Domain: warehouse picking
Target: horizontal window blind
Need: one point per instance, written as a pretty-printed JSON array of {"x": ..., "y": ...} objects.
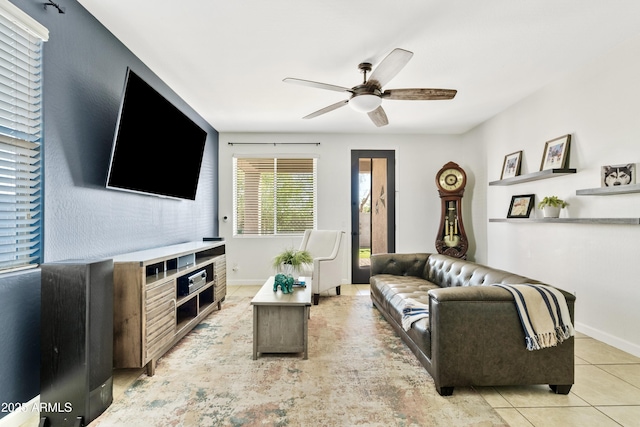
[
  {"x": 274, "y": 196},
  {"x": 20, "y": 142}
]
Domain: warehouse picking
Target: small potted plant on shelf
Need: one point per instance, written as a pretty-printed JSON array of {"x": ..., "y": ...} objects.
[
  {"x": 551, "y": 206},
  {"x": 290, "y": 260}
]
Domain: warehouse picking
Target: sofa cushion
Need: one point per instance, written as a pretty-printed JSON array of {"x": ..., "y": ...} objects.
[{"x": 392, "y": 291}]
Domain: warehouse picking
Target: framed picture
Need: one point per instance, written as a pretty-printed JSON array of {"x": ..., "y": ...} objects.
[
  {"x": 511, "y": 165},
  {"x": 556, "y": 153},
  {"x": 521, "y": 206},
  {"x": 614, "y": 175}
]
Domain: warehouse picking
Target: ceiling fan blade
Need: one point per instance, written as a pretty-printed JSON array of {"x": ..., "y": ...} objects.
[
  {"x": 390, "y": 66},
  {"x": 316, "y": 84},
  {"x": 327, "y": 109},
  {"x": 419, "y": 94},
  {"x": 378, "y": 117}
]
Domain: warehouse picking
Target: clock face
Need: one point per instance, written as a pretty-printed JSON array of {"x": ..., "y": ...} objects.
[{"x": 451, "y": 179}]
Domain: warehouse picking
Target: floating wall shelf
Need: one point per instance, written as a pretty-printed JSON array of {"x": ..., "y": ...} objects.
[
  {"x": 535, "y": 176},
  {"x": 607, "y": 191},
  {"x": 627, "y": 221}
]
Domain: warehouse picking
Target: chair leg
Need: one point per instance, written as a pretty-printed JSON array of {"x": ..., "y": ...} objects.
[
  {"x": 316, "y": 299},
  {"x": 337, "y": 290}
]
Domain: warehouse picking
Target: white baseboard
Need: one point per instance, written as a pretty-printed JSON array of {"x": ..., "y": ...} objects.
[
  {"x": 609, "y": 339},
  {"x": 27, "y": 411}
]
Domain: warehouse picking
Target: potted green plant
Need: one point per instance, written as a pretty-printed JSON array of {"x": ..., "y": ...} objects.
[
  {"x": 551, "y": 206},
  {"x": 291, "y": 260}
]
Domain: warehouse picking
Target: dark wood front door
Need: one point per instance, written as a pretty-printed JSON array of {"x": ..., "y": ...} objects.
[{"x": 372, "y": 208}]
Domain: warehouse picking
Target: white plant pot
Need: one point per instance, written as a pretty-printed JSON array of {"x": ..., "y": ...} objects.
[
  {"x": 289, "y": 270},
  {"x": 551, "y": 211}
]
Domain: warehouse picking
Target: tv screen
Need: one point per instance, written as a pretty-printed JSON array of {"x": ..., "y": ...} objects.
[{"x": 157, "y": 149}]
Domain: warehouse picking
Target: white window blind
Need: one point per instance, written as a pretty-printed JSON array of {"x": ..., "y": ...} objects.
[
  {"x": 20, "y": 138},
  {"x": 274, "y": 195}
]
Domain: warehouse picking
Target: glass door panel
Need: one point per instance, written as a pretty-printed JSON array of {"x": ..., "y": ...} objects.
[{"x": 373, "y": 208}]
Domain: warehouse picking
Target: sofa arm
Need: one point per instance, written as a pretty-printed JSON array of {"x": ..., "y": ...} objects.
[
  {"x": 484, "y": 293},
  {"x": 400, "y": 264},
  {"x": 488, "y": 303},
  {"x": 477, "y": 338},
  {"x": 470, "y": 293}
]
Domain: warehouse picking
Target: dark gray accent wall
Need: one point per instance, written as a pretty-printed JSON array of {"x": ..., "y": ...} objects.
[
  {"x": 84, "y": 73},
  {"x": 19, "y": 337}
]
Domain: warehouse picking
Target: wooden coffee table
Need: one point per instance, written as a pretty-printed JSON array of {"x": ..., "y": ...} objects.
[{"x": 280, "y": 321}]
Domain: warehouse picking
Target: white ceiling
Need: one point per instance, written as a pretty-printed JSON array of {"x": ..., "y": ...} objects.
[{"x": 227, "y": 58}]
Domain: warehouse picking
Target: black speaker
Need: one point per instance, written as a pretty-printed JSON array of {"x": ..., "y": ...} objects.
[{"x": 76, "y": 340}]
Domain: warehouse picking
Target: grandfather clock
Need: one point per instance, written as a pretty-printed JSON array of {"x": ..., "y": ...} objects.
[{"x": 451, "y": 239}]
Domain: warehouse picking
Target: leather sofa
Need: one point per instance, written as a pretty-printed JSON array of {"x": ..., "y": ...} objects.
[{"x": 473, "y": 335}]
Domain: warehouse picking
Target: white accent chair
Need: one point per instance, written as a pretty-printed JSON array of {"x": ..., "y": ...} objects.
[{"x": 324, "y": 246}]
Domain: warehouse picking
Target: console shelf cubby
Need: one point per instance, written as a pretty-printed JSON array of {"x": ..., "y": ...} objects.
[
  {"x": 534, "y": 176},
  {"x": 150, "y": 316}
]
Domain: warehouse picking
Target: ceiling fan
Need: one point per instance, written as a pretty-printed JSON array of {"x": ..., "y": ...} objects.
[{"x": 367, "y": 97}]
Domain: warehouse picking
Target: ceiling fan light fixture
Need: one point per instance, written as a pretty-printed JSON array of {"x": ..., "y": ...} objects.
[
  {"x": 367, "y": 96},
  {"x": 365, "y": 103}
]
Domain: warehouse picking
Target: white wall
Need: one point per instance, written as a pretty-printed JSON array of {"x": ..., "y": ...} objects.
[
  {"x": 418, "y": 158},
  {"x": 599, "y": 106}
]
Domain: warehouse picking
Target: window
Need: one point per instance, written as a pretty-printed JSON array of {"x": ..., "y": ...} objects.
[
  {"x": 274, "y": 196},
  {"x": 21, "y": 41}
]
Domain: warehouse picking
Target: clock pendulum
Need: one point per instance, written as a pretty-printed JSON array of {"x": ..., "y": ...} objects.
[{"x": 451, "y": 239}]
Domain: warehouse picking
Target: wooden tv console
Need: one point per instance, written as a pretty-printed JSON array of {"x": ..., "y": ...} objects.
[{"x": 150, "y": 316}]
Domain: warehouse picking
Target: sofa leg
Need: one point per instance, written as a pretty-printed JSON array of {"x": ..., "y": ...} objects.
[
  {"x": 444, "y": 391},
  {"x": 337, "y": 290},
  {"x": 316, "y": 299},
  {"x": 560, "y": 389}
]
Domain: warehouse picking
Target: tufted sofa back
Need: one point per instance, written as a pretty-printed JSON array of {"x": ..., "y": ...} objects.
[
  {"x": 447, "y": 272},
  {"x": 444, "y": 271},
  {"x": 401, "y": 265}
]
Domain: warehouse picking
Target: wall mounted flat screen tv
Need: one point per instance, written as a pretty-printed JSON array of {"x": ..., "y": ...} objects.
[{"x": 157, "y": 149}]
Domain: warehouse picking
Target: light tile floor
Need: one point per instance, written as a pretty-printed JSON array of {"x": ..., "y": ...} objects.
[{"x": 606, "y": 390}]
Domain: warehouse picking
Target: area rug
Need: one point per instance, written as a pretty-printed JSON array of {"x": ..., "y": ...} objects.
[{"x": 359, "y": 373}]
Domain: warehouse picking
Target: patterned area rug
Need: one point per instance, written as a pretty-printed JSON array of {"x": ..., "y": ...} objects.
[{"x": 359, "y": 373}]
